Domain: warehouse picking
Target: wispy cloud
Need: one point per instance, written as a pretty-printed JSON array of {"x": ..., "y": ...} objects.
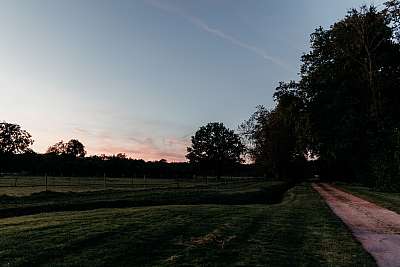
[{"x": 201, "y": 24}]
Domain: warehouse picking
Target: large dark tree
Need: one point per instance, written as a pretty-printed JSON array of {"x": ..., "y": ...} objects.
[
  {"x": 13, "y": 139},
  {"x": 215, "y": 146},
  {"x": 276, "y": 139},
  {"x": 345, "y": 108},
  {"x": 57, "y": 149},
  {"x": 73, "y": 148},
  {"x": 350, "y": 82}
]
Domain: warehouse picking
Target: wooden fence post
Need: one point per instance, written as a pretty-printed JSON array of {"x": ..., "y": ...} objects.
[{"x": 45, "y": 178}]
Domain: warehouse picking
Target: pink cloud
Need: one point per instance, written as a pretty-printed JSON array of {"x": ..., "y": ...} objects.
[
  {"x": 147, "y": 146},
  {"x": 171, "y": 148}
]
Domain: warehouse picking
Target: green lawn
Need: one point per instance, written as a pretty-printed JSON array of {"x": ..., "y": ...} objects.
[
  {"x": 231, "y": 193},
  {"x": 300, "y": 231},
  {"x": 27, "y": 185},
  {"x": 388, "y": 200}
]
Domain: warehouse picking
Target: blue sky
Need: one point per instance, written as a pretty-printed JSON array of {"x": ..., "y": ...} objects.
[{"x": 140, "y": 76}]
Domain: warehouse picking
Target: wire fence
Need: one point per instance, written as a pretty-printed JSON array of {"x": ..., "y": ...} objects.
[
  {"x": 22, "y": 185},
  {"x": 51, "y": 181}
]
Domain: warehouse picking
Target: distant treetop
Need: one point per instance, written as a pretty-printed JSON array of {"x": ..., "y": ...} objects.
[{"x": 13, "y": 139}]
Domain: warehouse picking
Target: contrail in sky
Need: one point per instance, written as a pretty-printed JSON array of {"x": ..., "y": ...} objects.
[{"x": 217, "y": 32}]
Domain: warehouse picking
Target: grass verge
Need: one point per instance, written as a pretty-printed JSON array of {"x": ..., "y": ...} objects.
[{"x": 387, "y": 200}]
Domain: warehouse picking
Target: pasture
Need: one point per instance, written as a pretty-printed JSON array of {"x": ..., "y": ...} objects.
[
  {"x": 26, "y": 185},
  {"x": 234, "y": 224}
]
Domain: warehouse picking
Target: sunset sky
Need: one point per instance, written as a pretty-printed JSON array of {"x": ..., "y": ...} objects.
[{"x": 140, "y": 76}]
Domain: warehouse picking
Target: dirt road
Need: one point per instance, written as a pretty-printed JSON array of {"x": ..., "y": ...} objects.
[{"x": 377, "y": 228}]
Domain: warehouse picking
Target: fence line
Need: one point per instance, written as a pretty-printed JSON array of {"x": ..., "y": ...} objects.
[{"x": 114, "y": 182}]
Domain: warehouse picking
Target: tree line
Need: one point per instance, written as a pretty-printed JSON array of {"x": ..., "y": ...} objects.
[
  {"x": 215, "y": 151},
  {"x": 344, "y": 110}
]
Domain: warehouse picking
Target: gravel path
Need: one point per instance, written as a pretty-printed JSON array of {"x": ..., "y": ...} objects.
[{"x": 377, "y": 228}]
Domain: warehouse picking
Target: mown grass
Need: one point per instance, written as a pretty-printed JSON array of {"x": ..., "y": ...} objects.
[
  {"x": 234, "y": 193},
  {"x": 387, "y": 200},
  {"x": 300, "y": 231},
  {"x": 27, "y": 185}
]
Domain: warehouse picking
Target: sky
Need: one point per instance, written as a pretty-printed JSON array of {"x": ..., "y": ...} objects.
[{"x": 141, "y": 76}]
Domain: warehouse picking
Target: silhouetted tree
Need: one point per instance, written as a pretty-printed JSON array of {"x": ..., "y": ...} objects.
[
  {"x": 73, "y": 148},
  {"x": 215, "y": 146},
  {"x": 350, "y": 82},
  {"x": 345, "y": 108},
  {"x": 121, "y": 156},
  {"x": 57, "y": 149},
  {"x": 392, "y": 10},
  {"x": 277, "y": 139},
  {"x": 13, "y": 139}
]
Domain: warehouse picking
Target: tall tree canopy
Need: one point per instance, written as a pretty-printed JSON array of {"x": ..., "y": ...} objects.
[
  {"x": 350, "y": 82},
  {"x": 274, "y": 137},
  {"x": 215, "y": 145},
  {"x": 13, "y": 139},
  {"x": 345, "y": 107}
]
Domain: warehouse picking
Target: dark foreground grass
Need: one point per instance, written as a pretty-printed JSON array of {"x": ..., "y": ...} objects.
[
  {"x": 387, "y": 200},
  {"x": 300, "y": 231},
  {"x": 235, "y": 193}
]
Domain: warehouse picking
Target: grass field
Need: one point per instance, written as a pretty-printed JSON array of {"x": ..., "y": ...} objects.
[
  {"x": 26, "y": 185},
  {"x": 232, "y": 193},
  {"x": 22, "y": 186},
  {"x": 299, "y": 231},
  {"x": 388, "y": 200}
]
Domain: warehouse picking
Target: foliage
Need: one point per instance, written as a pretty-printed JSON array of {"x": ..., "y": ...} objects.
[
  {"x": 112, "y": 166},
  {"x": 344, "y": 109},
  {"x": 68, "y": 159},
  {"x": 350, "y": 84},
  {"x": 57, "y": 149},
  {"x": 392, "y": 10},
  {"x": 275, "y": 137},
  {"x": 216, "y": 146},
  {"x": 13, "y": 139},
  {"x": 73, "y": 148}
]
